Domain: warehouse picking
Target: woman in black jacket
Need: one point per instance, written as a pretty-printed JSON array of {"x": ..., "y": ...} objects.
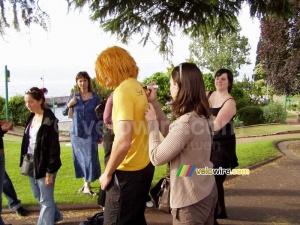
[{"x": 41, "y": 141}]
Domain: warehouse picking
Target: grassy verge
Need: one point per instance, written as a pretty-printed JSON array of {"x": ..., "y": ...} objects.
[
  {"x": 264, "y": 129},
  {"x": 67, "y": 186}
]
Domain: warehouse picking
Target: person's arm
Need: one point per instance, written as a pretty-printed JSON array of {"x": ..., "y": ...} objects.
[
  {"x": 225, "y": 114},
  {"x": 119, "y": 151},
  {"x": 54, "y": 162},
  {"x": 71, "y": 101},
  {"x": 163, "y": 121},
  {"x": 161, "y": 152},
  {"x": 5, "y": 126},
  {"x": 107, "y": 114}
]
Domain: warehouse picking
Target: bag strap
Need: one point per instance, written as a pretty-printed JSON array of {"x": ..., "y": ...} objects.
[{"x": 168, "y": 170}]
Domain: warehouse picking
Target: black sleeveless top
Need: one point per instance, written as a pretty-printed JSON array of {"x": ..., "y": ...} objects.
[
  {"x": 224, "y": 143},
  {"x": 228, "y": 129}
]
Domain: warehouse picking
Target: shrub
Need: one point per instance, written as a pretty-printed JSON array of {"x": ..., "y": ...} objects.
[
  {"x": 273, "y": 113},
  {"x": 242, "y": 102},
  {"x": 251, "y": 115},
  {"x": 18, "y": 111}
]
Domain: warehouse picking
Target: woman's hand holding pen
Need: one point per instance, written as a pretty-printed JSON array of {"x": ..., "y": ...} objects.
[{"x": 151, "y": 91}]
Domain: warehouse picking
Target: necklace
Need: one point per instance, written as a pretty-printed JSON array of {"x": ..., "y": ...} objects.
[
  {"x": 85, "y": 96},
  {"x": 36, "y": 120}
]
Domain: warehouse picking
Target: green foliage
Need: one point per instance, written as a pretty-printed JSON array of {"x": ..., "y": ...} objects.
[
  {"x": 259, "y": 72},
  {"x": 29, "y": 11},
  {"x": 18, "y": 111},
  {"x": 151, "y": 19},
  {"x": 294, "y": 107},
  {"x": 250, "y": 115},
  {"x": 2, "y": 108},
  {"x": 230, "y": 52},
  {"x": 273, "y": 113},
  {"x": 163, "y": 92},
  {"x": 102, "y": 92},
  {"x": 242, "y": 102},
  {"x": 209, "y": 82},
  {"x": 237, "y": 122}
]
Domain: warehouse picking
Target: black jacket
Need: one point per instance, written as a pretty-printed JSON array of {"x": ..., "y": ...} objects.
[{"x": 47, "y": 148}]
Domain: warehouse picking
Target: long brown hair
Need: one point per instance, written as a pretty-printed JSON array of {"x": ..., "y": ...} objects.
[
  {"x": 191, "y": 95},
  {"x": 38, "y": 94},
  {"x": 85, "y": 75}
]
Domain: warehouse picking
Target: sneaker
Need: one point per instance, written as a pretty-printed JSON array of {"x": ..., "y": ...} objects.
[
  {"x": 21, "y": 211},
  {"x": 60, "y": 219},
  {"x": 149, "y": 204}
]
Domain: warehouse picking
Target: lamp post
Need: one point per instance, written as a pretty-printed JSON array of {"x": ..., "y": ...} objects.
[
  {"x": 54, "y": 105},
  {"x": 6, "y": 79}
]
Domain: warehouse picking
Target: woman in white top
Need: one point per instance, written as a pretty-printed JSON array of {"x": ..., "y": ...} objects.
[{"x": 41, "y": 141}]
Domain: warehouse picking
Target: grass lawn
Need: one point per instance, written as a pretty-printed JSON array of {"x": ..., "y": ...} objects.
[
  {"x": 263, "y": 129},
  {"x": 67, "y": 186}
]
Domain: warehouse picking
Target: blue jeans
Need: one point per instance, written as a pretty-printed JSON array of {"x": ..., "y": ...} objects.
[
  {"x": 45, "y": 195},
  {"x": 2, "y": 171},
  {"x": 9, "y": 191}
]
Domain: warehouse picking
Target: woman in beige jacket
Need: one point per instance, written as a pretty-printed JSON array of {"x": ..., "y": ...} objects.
[{"x": 187, "y": 146}]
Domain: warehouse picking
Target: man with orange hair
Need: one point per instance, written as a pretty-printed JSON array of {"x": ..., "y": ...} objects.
[{"x": 129, "y": 172}]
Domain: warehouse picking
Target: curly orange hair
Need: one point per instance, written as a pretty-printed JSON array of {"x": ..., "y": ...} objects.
[{"x": 116, "y": 64}]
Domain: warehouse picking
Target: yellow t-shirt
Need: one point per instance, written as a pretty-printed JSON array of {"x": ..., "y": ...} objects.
[{"x": 129, "y": 103}]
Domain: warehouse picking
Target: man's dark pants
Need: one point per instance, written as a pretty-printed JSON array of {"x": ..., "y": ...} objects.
[{"x": 126, "y": 197}]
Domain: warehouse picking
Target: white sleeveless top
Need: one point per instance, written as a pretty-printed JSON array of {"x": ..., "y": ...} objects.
[{"x": 32, "y": 137}]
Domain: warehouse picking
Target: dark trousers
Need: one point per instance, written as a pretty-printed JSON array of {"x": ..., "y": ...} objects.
[
  {"x": 108, "y": 139},
  {"x": 126, "y": 197},
  {"x": 220, "y": 207}
]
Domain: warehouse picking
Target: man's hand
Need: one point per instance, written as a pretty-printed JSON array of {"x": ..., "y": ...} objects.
[
  {"x": 104, "y": 181},
  {"x": 5, "y": 125}
]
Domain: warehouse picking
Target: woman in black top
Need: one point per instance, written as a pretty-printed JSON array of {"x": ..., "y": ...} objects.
[
  {"x": 223, "y": 153},
  {"x": 41, "y": 141}
]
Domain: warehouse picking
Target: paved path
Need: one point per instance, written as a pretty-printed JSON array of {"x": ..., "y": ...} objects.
[{"x": 270, "y": 195}]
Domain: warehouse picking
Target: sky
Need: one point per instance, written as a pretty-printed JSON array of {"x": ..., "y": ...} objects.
[{"x": 52, "y": 59}]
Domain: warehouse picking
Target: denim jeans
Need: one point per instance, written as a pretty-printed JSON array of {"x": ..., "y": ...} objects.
[
  {"x": 2, "y": 171},
  {"x": 9, "y": 191},
  {"x": 45, "y": 195}
]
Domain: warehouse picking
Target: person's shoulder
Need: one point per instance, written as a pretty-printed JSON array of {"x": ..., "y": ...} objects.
[
  {"x": 130, "y": 87},
  {"x": 95, "y": 94},
  {"x": 186, "y": 117}
]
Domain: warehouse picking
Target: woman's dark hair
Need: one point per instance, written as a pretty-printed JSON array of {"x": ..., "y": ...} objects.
[
  {"x": 83, "y": 74},
  {"x": 191, "y": 95},
  {"x": 38, "y": 94},
  {"x": 229, "y": 77}
]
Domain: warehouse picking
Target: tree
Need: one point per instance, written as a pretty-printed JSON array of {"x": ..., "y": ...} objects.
[
  {"x": 147, "y": 17},
  {"x": 29, "y": 11},
  {"x": 163, "y": 93},
  {"x": 212, "y": 53},
  {"x": 279, "y": 51},
  {"x": 18, "y": 111}
]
